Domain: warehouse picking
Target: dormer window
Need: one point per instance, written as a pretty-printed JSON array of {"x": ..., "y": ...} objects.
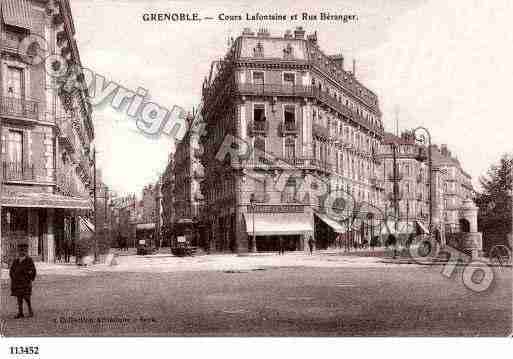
[
  {"x": 288, "y": 52},
  {"x": 258, "y": 51}
]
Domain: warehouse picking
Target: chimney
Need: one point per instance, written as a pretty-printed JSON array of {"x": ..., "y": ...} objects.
[
  {"x": 299, "y": 33},
  {"x": 354, "y": 67},
  {"x": 443, "y": 150},
  {"x": 338, "y": 60},
  {"x": 263, "y": 32},
  {"x": 312, "y": 38},
  {"x": 247, "y": 32}
]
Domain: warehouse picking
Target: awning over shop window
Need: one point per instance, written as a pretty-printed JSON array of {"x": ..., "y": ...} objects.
[
  {"x": 45, "y": 200},
  {"x": 17, "y": 13},
  {"x": 145, "y": 226},
  {"x": 337, "y": 227},
  {"x": 268, "y": 224}
]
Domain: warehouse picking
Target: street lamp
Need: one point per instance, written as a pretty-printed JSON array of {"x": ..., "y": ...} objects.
[
  {"x": 422, "y": 139},
  {"x": 253, "y": 207}
]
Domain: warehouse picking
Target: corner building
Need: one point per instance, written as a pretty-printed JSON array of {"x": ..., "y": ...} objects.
[
  {"x": 46, "y": 135},
  {"x": 286, "y": 98}
]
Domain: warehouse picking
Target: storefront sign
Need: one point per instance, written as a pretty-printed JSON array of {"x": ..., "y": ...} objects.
[{"x": 276, "y": 209}]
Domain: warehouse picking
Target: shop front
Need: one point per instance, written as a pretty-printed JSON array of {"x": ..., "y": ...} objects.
[
  {"x": 292, "y": 229},
  {"x": 47, "y": 223}
]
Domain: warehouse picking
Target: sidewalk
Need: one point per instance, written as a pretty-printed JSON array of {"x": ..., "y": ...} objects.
[{"x": 163, "y": 262}]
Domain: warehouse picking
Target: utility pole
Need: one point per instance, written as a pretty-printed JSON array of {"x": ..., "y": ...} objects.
[
  {"x": 395, "y": 185},
  {"x": 157, "y": 212},
  {"x": 94, "y": 208},
  {"x": 1, "y": 176},
  {"x": 105, "y": 221}
]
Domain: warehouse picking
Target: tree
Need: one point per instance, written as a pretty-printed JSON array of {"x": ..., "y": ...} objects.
[{"x": 495, "y": 200}]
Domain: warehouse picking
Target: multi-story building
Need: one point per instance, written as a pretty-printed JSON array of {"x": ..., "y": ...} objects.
[
  {"x": 305, "y": 118},
  {"x": 410, "y": 203},
  {"x": 168, "y": 214},
  {"x": 45, "y": 130},
  {"x": 410, "y": 200},
  {"x": 455, "y": 188},
  {"x": 187, "y": 198}
]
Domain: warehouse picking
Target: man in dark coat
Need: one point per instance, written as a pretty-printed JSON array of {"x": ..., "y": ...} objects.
[
  {"x": 22, "y": 273},
  {"x": 311, "y": 243}
]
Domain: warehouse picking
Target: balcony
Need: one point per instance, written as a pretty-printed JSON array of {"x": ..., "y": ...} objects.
[
  {"x": 321, "y": 165},
  {"x": 288, "y": 128},
  {"x": 398, "y": 177},
  {"x": 290, "y": 197},
  {"x": 259, "y": 197},
  {"x": 9, "y": 42},
  {"x": 20, "y": 172},
  {"x": 66, "y": 134},
  {"x": 306, "y": 91},
  {"x": 320, "y": 131},
  {"x": 21, "y": 108},
  {"x": 258, "y": 128},
  {"x": 273, "y": 89}
]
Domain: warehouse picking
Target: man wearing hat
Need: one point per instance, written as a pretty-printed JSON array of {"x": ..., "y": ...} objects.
[{"x": 22, "y": 273}]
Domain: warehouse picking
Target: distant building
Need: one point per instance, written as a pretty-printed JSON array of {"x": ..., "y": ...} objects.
[
  {"x": 182, "y": 199},
  {"x": 45, "y": 135},
  {"x": 168, "y": 211},
  {"x": 456, "y": 187}
]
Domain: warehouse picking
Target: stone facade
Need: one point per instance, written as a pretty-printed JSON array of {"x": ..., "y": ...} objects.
[
  {"x": 183, "y": 199},
  {"x": 284, "y": 97},
  {"x": 45, "y": 135}
]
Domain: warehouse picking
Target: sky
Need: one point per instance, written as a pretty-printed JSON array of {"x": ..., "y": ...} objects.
[{"x": 442, "y": 65}]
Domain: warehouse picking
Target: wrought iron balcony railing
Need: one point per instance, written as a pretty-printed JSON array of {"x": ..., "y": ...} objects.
[
  {"x": 288, "y": 128},
  {"x": 306, "y": 91},
  {"x": 258, "y": 128},
  {"x": 19, "y": 107},
  {"x": 259, "y": 197},
  {"x": 16, "y": 171}
]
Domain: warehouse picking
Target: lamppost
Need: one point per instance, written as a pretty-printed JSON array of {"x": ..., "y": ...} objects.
[
  {"x": 94, "y": 208},
  {"x": 253, "y": 208},
  {"x": 422, "y": 139}
]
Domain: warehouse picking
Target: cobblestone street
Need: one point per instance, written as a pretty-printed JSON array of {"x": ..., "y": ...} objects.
[{"x": 293, "y": 295}]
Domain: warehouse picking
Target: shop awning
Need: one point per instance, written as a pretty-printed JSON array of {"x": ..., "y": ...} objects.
[
  {"x": 337, "y": 227},
  {"x": 17, "y": 13},
  {"x": 45, "y": 200},
  {"x": 268, "y": 224},
  {"x": 145, "y": 226}
]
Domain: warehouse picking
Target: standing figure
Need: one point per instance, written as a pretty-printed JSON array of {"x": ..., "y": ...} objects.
[
  {"x": 280, "y": 245},
  {"x": 311, "y": 243},
  {"x": 22, "y": 273}
]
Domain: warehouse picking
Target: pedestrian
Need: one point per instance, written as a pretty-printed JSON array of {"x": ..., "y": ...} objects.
[
  {"x": 280, "y": 245},
  {"x": 311, "y": 243},
  {"x": 22, "y": 274},
  {"x": 67, "y": 250}
]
